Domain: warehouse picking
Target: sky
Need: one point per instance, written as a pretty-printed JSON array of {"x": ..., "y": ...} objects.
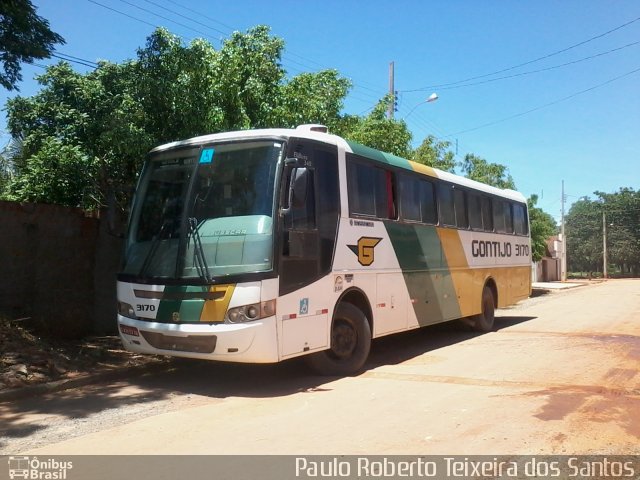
[{"x": 548, "y": 88}]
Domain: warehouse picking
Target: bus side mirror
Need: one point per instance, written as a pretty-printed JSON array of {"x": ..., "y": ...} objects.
[{"x": 297, "y": 193}]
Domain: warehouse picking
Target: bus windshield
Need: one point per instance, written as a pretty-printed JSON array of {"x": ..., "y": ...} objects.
[{"x": 204, "y": 212}]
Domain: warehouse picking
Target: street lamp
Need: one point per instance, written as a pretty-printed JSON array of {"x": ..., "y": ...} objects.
[{"x": 432, "y": 98}]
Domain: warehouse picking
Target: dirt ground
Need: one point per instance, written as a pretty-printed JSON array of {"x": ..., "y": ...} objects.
[
  {"x": 29, "y": 359},
  {"x": 558, "y": 375}
]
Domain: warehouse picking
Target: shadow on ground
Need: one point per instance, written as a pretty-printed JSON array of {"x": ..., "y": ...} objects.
[{"x": 219, "y": 380}]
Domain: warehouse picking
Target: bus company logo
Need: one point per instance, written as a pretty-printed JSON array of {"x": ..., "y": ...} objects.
[
  {"x": 32, "y": 468},
  {"x": 365, "y": 250}
]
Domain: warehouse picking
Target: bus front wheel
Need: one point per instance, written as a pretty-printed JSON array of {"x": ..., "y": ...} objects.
[
  {"x": 350, "y": 343},
  {"x": 483, "y": 322}
]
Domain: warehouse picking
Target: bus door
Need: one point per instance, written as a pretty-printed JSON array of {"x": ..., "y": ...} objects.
[{"x": 309, "y": 221}]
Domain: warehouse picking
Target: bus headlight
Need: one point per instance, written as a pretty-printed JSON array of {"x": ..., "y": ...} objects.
[
  {"x": 126, "y": 310},
  {"x": 248, "y": 313}
]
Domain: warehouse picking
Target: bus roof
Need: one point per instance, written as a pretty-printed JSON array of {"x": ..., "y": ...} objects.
[{"x": 305, "y": 131}]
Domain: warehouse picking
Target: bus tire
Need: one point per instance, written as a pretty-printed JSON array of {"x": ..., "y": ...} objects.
[
  {"x": 483, "y": 322},
  {"x": 350, "y": 343}
]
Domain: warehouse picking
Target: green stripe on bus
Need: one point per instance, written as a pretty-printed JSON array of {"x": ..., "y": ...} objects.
[
  {"x": 382, "y": 157},
  {"x": 187, "y": 310},
  {"x": 426, "y": 274}
]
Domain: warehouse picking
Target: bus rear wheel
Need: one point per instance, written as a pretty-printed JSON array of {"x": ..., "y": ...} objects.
[
  {"x": 483, "y": 322},
  {"x": 350, "y": 343}
]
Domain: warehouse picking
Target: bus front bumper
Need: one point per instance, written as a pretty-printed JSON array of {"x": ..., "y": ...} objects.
[{"x": 251, "y": 342}]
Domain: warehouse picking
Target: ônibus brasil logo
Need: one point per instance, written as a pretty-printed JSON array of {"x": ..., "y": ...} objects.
[{"x": 33, "y": 468}]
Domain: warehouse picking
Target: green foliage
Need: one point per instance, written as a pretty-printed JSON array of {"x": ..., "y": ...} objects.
[
  {"x": 108, "y": 119},
  {"x": 542, "y": 227},
  {"x": 584, "y": 228},
  {"x": 248, "y": 75},
  {"x": 377, "y": 131},
  {"x": 24, "y": 37},
  {"x": 56, "y": 171},
  {"x": 8, "y": 155},
  {"x": 98, "y": 126},
  {"x": 435, "y": 153},
  {"x": 91, "y": 115},
  {"x": 311, "y": 98},
  {"x": 479, "y": 169}
]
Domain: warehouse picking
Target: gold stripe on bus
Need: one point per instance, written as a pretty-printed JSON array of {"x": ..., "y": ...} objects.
[
  {"x": 215, "y": 310},
  {"x": 423, "y": 169},
  {"x": 461, "y": 274}
]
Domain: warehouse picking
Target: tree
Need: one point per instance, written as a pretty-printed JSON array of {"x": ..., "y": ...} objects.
[
  {"x": 311, "y": 98},
  {"x": 435, "y": 153},
  {"x": 623, "y": 249},
  {"x": 248, "y": 76},
  {"x": 622, "y": 210},
  {"x": 24, "y": 37},
  {"x": 90, "y": 119},
  {"x": 11, "y": 152},
  {"x": 542, "y": 227},
  {"x": 56, "y": 171},
  {"x": 106, "y": 120},
  {"x": 377, "y": 131},
  {"x": 479, "y": 169},
  {"x": 583, "y": 227}
]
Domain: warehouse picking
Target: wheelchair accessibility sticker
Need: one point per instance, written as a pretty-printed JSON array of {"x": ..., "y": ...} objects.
[{"x": 304, "y": 306}]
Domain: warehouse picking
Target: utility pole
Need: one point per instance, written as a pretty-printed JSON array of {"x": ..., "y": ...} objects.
[
  {"x": 604, "y": 244},
  {"x": 391, "y": 107},
  {"x": 563, "y": 256}
]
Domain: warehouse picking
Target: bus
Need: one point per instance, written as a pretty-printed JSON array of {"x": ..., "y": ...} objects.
[{"x": 259, "y": 246}]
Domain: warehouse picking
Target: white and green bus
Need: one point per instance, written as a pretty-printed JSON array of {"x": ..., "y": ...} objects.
[{"x": 264, "y": 245}]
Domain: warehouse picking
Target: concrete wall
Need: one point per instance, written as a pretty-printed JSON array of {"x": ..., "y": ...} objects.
[{"x": 57, "y": 267}]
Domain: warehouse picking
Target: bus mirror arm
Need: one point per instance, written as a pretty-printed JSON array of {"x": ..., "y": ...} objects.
[{"x": 286, "y": 210}]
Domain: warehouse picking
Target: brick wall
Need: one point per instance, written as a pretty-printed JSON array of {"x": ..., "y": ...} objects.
[{"x": 57, "y": 266}]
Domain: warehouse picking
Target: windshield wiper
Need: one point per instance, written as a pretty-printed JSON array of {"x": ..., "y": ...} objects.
[
  {"x": 199, "y": 259},
  {"x": 154, "y": 247}
]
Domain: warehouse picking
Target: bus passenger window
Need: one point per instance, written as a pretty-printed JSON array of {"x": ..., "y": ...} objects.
[
  {"x": 371, "y": 191},
  {"x": 417, "y": 201},
  {"x": 428, "y": 202},
  {"x": 499, "y": 217},
  {"x": 409, "y": 198},
  {"x": 521, "y": 225},
  {"x": 475, "y": 211},
  {"x": 461, "y": 209},
  {"x": 487, "y": 218},
  {"x": 446, "y": 202},
  {"x": 508, "y": 217}
]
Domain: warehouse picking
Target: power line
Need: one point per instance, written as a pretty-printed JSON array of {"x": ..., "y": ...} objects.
[
  {"x": 530, "y": 72},
  {"x": 70, "y": 58},
  {"x": 185, "y": 17},
  {"x": 545, "y": 105},
  {"x": 170, "y": 20},
  {"x": 544, "y": 57},
  {"x": 200, "y": 14},
  {"x": 289, "y": 60},
  {"x": 122, "y": 13},
  {"x": 39, "y": 65},
  {"x": 77, "y": 58}
]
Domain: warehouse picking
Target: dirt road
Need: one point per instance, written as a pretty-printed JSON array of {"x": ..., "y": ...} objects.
[{"x": 559, "y": 375}]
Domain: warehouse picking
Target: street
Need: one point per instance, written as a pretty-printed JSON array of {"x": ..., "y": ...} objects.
[{"x": 559, "y": 375}]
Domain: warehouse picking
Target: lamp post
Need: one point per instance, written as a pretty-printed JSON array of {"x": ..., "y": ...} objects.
[{"x": 432, "y": 98}]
